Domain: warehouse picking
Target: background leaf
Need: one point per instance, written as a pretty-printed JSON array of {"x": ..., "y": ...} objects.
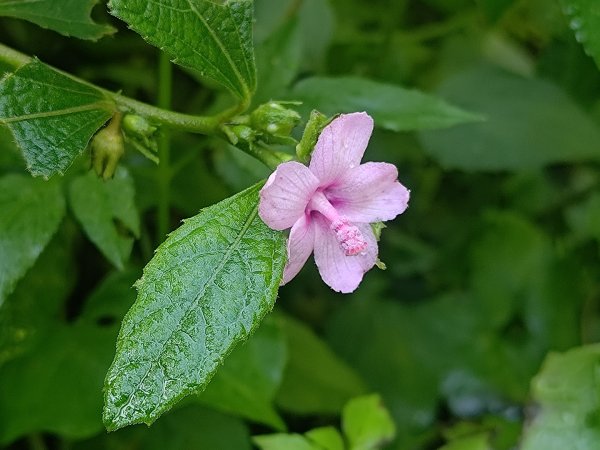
[
  {"x": 568, "y": 392},
  {"x": 392, "y": 107},
  {"x": 366, "y": 423},
  {"x": 56, "y": 386},
  {"x": 304, "y": 391},
  {"x": 212, "y": 38},
  {"x": 517, "y": 110},
  {"x": 585, "y": 23},
  {"x": 68, "y": 17},
  {"x": 246, "y": 383},
  {"x": 208, "y": 286},
  {"x": 51, "y": 116},
  {"x": 31, "y": 212},
  {"x": 107, "y": 212}
]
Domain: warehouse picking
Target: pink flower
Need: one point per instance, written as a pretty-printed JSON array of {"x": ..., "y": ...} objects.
[{"x": 331, "y": 204}]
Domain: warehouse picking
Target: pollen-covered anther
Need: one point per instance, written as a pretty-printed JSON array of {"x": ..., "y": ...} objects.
[{"x": 349, "y": 236}]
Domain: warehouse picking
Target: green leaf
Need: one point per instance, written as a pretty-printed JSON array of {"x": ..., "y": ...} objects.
[
  {"x": 517, "y": 109},
  {"x": 208, "y": 286},
  {"x": 107, "y": 212},
  {"x": 366, "y": 423},
  {"x": 67, "y": 17},
  {"x": 278, "y": 61},
  {"x": 212, "y": 38},
  {"x": 585, "y": 22},
  {"x": 23, "y": 316},
  {"x": 246, "y": 383},
  {"x": 327, "y": 438},
  {"x": 305, "y": 390},
  {"x": 568, "y": 392},
  {"x": 31, "y": 212},
  {"x": 392, "y": 107},
  {"x": 57, "y": 385},
  {"x": 284, "y": 442},
  {"x": 51, "y": 116}
]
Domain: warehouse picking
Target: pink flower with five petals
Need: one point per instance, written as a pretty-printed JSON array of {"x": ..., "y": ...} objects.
[{"x": 330, "y": 204}]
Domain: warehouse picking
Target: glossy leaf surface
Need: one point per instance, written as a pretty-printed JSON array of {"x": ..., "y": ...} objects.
[
  {"x": 51, "y": 116},
  {"x": 585, "y": 22},
  {"x": 212, "y": 38},
  {"x": 208, "y": 287}
]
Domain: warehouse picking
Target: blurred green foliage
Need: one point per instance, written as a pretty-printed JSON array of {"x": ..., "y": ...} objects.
[{"x": 494, "y": 265}]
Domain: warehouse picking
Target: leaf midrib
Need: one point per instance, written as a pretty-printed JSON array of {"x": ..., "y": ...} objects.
[
  {"x": 192, "y": 305},
  {"x": 101, "y": 106}
]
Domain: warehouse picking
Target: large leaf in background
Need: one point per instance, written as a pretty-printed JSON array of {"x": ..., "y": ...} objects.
[
  {"x": 246, "y": 383},
  {"x": 568, "y": 392},
  {"x": 107, "y": 212},
  {"x": 52, "y": 117},
  {"x": 278, "y": 61},
  {"x": 307, "y": 391},
  {"x": 530, "y": 123},
  {"x": 31, "y": 211},
  {"x": 585, "y": 22},
  {"x": 56, "y": 385},
  {"x": 212, "y": 38},
  {"x": 68, "y": 17},
  {"x": 208, "y": 287},
  {"x": 392, "y": 107}
]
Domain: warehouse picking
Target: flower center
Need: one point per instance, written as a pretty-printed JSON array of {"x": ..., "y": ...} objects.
[{"x": 349, "y": 236}]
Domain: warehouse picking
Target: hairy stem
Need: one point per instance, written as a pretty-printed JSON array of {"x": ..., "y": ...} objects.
[{"x": 165, "y": 79}]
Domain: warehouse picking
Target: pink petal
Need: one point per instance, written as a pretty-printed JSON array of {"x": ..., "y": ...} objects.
[
  {"x": 300, "y": 245},
  {"x": 285, "y": 195},
  {"x": 342, "y": 273},
  {"x": 341, "y": 146},
  {"x": 369, "y": 193}
]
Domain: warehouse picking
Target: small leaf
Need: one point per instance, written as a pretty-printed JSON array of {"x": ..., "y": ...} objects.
[
  {"x": 517, "y": 110},
  {"x": 107, "y": 212},
  {"x": 208, "y": 287},
  {"x": 304, "y": 391},
  {"x": 393, "y": 107},
  {"x": 568, "y": 392},
  {"x": 246, "y": 383},
  {"x": 585, "y": 22},
  {"x": 213, "y": 38},
  {"x": 31, "y": 211},
  {"x": 51, "y": 116},
  {"x": 284, "y": 442},
  {"x": 327, "y": 438},
  {"x": 67, "y": 17},
  {"x": 366, "y": 423}
]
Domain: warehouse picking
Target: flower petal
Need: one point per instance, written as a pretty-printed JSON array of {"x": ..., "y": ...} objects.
[
  {"x": 369, "y": 193},
  {"x": 341, "y": 146},
  {"x": 285, "y": 195},
  {"x": 342, "y": 273},
  {"x": 300, "y": 245}
]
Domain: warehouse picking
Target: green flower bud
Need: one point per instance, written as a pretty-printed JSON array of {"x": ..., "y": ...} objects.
[
  {"x": 107, "y": 148},
  {"x": 314, "y": 126},
  {"x": 138, "y": 125},
  {"x": 273, "y": 119}
]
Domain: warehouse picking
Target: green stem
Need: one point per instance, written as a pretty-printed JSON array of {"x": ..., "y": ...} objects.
[
  {"x": 165, "y": 80},
  {"x": 208, "y": 125}
]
